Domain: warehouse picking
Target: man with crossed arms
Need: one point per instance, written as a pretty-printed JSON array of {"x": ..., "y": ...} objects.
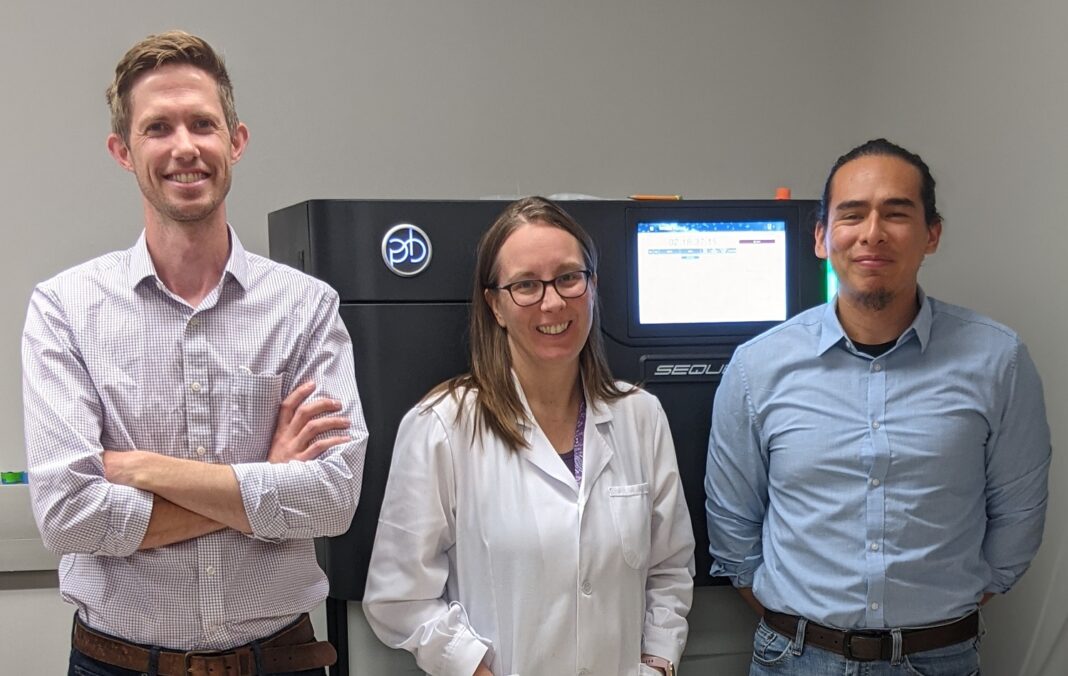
[{"x": 177, "y": 459}]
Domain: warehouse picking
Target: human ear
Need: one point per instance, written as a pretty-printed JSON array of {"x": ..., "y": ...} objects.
[
  {"x": 820, "y": 245},
  {"x": 490, "y": 296},
  {"x": 118, "y": 149}
]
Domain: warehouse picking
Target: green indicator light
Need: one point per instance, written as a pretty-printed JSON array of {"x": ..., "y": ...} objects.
[
  {"x": 13, "y": 477},
  {"x": 830, "y": 280}
]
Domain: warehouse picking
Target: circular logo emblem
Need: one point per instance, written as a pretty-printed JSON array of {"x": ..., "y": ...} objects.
[{"x": 406, "y": 250}]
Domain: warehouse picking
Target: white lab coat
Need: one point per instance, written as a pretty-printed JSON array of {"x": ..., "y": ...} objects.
[{"x": 484, "y": 550}]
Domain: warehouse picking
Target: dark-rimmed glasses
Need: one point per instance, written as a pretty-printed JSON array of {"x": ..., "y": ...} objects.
[{"x": 527, "y": 292}]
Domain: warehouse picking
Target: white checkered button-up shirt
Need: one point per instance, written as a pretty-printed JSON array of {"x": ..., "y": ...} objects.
[{"x": 113, "y": 360}]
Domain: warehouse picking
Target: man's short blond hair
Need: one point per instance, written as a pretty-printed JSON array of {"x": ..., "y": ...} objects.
[{"x": 155, "y": 51}]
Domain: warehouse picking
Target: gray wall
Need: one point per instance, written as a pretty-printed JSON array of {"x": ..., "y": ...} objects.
[{"x": 708, "y": 98}]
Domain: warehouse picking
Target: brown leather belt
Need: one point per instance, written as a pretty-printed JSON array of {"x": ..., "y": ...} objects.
[
  {"x": 869, "y": 645},
  {"x": 291, "y": 649}
]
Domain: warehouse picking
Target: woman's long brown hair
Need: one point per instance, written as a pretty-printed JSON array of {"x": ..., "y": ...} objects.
[{"x": 490, "y": 381}]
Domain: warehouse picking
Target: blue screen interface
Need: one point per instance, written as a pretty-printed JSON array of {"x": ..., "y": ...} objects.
[{"x": 711, "y": 272}]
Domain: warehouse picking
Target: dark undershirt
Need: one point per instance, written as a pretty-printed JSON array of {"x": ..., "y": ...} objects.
[
  {"x": 569, "y": 460},
  {"x": 874, "y": 350}
]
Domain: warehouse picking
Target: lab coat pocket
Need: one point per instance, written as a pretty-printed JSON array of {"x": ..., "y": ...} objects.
[
  {"x": 252, "y": 412},
  {"x": 631, "y": 514}
]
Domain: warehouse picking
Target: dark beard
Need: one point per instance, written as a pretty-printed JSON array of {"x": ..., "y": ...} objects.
[{"x": 875, "y": 300}]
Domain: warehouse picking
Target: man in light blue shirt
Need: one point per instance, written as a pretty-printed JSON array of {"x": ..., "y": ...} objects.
[{"x": 877, "y": 466}]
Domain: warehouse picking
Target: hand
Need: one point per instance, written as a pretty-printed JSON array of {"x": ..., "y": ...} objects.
[
  {"x": 751, "y": 599},
  {"x": 299, "y": 424}
]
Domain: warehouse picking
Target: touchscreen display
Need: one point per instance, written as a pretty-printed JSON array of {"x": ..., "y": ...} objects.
[{"x": 711, "y": 272}]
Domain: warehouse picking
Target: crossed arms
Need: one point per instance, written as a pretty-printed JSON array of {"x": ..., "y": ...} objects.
[
  {"x": 301, "y": 482},
  {"x": 193, "y": 498}
]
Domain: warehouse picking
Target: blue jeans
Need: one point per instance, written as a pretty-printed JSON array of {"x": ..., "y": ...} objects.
[{"x": 775, "y": 655}]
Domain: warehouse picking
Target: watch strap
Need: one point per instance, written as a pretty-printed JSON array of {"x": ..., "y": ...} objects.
[{"x": 659, "y": 663}]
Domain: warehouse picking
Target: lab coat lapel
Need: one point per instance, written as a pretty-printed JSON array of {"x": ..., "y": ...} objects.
[
  {"x": 542, "y": 455},
  {"x": 597, "y": 451},
  {"x": 539, "y": 452}
]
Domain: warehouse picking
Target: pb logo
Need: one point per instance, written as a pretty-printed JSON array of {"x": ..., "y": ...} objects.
[{"x": 406, "y": 250}]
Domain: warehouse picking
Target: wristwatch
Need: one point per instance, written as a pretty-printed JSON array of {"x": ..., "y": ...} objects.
[{"x": 659, "y": 663}]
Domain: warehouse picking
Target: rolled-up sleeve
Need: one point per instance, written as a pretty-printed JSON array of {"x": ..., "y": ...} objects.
[
  {"x": 1017, "y": 474},
  {"x": 315, "y": 498},
  {"x": 405, "y": 600},
  {"x": 76, "y": 509},
  {"x": 736, "y": 481}
]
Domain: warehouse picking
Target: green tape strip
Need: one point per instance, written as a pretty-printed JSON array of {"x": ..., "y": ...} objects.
[{"x": 13, "y": 477}]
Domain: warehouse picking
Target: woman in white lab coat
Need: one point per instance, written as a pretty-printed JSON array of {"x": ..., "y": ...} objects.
[{"x": 534, "y": 522}]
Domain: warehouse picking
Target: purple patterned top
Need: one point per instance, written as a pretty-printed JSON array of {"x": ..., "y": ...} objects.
[{"x": 573, "y": 458}]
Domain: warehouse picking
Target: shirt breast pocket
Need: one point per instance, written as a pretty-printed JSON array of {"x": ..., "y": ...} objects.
[
  {"x": 631, "y": 514},
  {"x": 252, "y": 410}
]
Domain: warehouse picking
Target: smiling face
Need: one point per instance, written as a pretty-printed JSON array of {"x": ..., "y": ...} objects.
[
  {"x": 180, "y": 149},
  {"x": 876, "y": 236},
  {"x": 552, "y": 333}
]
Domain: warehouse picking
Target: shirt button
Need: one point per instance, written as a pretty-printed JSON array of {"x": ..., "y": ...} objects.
[
  {"x": 210, "y": 570},
  {"x": 195, "y": 387},
  {"x": 195, "y": 321},
  {"x": 875, "y": 482},
  {"x": 875, "y": 424},
  {"x": 877, "y": 368},
  {"x": 583, "y": 672},
  {"x": 587, "y": 588},
  {"x": 875, "y": 606},
  {"x": 875, "y": 546},
  {"x": 201, "y": 450}
]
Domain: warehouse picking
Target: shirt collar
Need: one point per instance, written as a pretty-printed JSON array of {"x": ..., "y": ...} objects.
[
  {"x": 141, "y": 266},
  {"x": 831, "y": 331},
  {"x": 921, "y": 326},
  {"x": 237, "y": 265}
]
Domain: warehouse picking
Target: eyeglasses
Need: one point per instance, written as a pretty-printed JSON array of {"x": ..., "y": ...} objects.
[{"x": 527, "y": 292}]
